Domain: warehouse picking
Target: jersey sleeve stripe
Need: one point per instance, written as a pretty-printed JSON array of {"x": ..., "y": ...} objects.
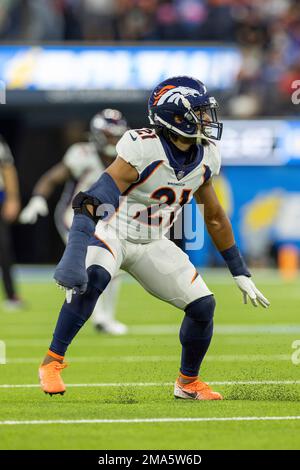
[
  {"x": 96, "y": 241},
  {"x": 146, "y": 173},
  {"x": 194, "y": 277}
]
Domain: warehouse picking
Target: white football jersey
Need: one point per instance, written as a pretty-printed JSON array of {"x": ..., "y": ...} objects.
[
  {"x": 151, "y": 205},
  {"x": 85, "y": 166}
]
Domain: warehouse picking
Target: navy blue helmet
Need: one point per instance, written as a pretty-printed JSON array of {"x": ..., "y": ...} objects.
[{"x": 183, "y": 105}]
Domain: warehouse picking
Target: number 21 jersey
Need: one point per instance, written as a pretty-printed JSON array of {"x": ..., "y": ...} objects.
[{"x": 151, "y": 205}]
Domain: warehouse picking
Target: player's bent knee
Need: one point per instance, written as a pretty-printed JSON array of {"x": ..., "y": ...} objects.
[
  {"x": 83, "y": 305},
  {"x": 99, "y": 277},
  {"x": 202, "y": 310}
]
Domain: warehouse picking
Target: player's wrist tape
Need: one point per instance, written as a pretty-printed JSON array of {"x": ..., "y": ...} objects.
[
  {"x": 102, "y": 198},
  {"x": 235, "y": 261},
  {"x": 83, "y": 204}
]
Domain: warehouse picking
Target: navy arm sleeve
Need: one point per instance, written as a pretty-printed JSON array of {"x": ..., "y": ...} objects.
[{"x": 103, "y": 195}]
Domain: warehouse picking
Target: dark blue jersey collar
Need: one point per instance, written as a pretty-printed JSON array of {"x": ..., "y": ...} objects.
[{"x": 182, "y": 163}]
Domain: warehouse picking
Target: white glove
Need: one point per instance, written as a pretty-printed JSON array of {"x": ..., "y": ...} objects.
[
  {"x": 248, "y": 288},
  {"x": 36, "y": 206}
]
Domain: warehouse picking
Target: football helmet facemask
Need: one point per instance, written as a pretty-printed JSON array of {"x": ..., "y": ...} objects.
[{"x": 183, "y": 106}]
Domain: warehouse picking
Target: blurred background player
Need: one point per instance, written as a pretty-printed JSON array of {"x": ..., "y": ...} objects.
[
  {"x": 9, "y": 210},
  {"x": 81, "y": 166}
]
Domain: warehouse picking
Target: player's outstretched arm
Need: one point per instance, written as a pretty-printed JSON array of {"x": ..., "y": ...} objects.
[
  {"x": 37, "y": 206},
  {"x": 11, "y": 205},
  {"x": 89, "y": 207},
  {"x": 220, "y": 230}
]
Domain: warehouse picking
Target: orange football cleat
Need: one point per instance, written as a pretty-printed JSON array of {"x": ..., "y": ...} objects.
[
  {"x": 195, "y": 390},
  {"x": 50, "y": 379}
]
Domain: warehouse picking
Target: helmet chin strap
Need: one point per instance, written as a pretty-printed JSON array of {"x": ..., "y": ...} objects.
[
  {"x": 208, "y": 131},
  {"x": 192, "y": 114},
  {"x": 200, "y": 138},
  {"x": 176, "y": 131}
]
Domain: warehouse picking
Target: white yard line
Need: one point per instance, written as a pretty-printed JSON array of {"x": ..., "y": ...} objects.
[
  {"x": 230, "y": 329},
  {"x": 40, "y": 274},
  {"x": 137, "y": 359},
  {"x": 151, "y": 420},
  {"x": 37, "y": 270},
  {"x": 161, "y": 384},
  {"x": 167, "y": 329}
]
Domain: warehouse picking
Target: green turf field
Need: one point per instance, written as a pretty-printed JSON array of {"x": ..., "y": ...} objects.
[{"x": 114, "y": 381}]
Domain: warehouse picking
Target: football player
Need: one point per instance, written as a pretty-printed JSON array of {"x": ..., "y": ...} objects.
[
  {"x": 128, "y": 211},
  {"x": 83, "y": 163},
  {"x": 9, "y": 210}
]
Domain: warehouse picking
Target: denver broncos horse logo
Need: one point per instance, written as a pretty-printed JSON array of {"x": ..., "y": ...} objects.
[{"x": 173, "y": 94}]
